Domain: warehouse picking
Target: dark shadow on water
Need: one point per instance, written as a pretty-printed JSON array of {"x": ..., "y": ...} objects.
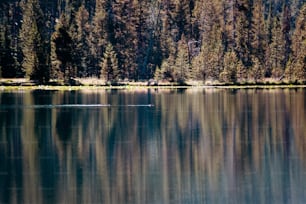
[{"x": 64, "y": 122}]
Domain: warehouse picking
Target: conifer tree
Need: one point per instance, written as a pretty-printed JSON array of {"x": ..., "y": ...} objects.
[
  {"x": 124, "y": 38},
  {"x": 275, "y": 54},
  {"x": 229, "y": 23},
  {"x": 242, "y": 44},
  {"x": 80, "y": 30},
  {"x": 158, "y": 74},
  {"x": 153, "y": 54},
  {"x": 169, "y": 31},
  {"x": 258, "y": 35},
  {"x": 61, "y": 52},
  {"x": 182, "y": 63},
  {"x": 197, "y": 68},
  {"x": 286, "y": 27},
  {"x": 147, "y": 17},
  {"x": 34, "y": 56},
  {"x": 256, "y": 72},
  {"x": 167, "y": 70},
  {"x": 9, "y": 42},
  {"x": 169, "y": 36},
  {"x": 109, "y": 65},
  {"x": 229, "y": 73},
  {"x": 100, "y": 34},
  {"x": 296, "y": 68},
  {"x": 183, "y": 16},
  {"x": 209, "y": 60},
  {"x": 7, "y": 60}
]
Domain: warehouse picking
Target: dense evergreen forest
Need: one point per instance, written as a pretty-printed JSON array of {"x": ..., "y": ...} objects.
[{"x": 173, "y": 40}]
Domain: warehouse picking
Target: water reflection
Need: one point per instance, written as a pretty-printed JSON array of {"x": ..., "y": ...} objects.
[{"x": 192, "y": 146}]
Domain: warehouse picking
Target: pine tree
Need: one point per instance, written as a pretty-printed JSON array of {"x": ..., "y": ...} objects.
[
  {"x": 210, "y": 58},
  {"x": 229, "y": 24},
  {"x": 169, "y": 32},
  {"x": 258, "y": 36},
  {"x": 9, "y": 43},
  {"x": 158, "y": 74},
  {"x": 242, "y": 27},
  {"x": 275, "y": 54},
  {"x": 109, "y": 65},
  {"x": 101, "y": 33},
  {"x": 7, "y": 60},
  {"x": 34, "y": 55},
  {"x": 167, "y": 70},
  {"x": 80, "y": 30},
  {"x": 286, "y": 27},
  {"x": 296, "y": 68},
  {"x": 182, "y": 63},
  {"x": 147, "y": 20},
  {"x": 209, "y": 61},
  {"x": 183, "y": 16},
  {"x": 197, "y": 69},
  {"x": 137, "y": 48},
  {"x": 124, "y": 38},
  {"x": 61, "y": 52},
  {"x": 257, "y": 71},
  {"x": 229, "y": 73},
  {"x": 153, "y": 53}
]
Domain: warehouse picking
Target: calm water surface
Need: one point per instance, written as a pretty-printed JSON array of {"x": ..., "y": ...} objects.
[{"x": 153, "y": 146}]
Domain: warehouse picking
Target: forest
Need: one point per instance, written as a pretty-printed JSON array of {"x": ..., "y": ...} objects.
[{"x": 230, "y": 41}]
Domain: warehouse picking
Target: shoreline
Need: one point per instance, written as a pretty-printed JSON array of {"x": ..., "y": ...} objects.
[{"x": 25, "y": 84}]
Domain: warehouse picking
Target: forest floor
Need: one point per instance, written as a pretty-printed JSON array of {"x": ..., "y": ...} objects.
[{"x": 94, "y": 83}]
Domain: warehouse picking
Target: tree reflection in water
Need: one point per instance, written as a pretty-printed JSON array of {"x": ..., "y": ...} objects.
[{"x": 192, "y": 146}]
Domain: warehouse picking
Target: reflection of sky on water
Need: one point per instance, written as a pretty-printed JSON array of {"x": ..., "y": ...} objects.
[{"x": 192, "y": 146}]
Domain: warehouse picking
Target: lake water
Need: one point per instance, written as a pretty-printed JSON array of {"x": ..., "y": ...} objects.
[{"x": 153, "y": 146}]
